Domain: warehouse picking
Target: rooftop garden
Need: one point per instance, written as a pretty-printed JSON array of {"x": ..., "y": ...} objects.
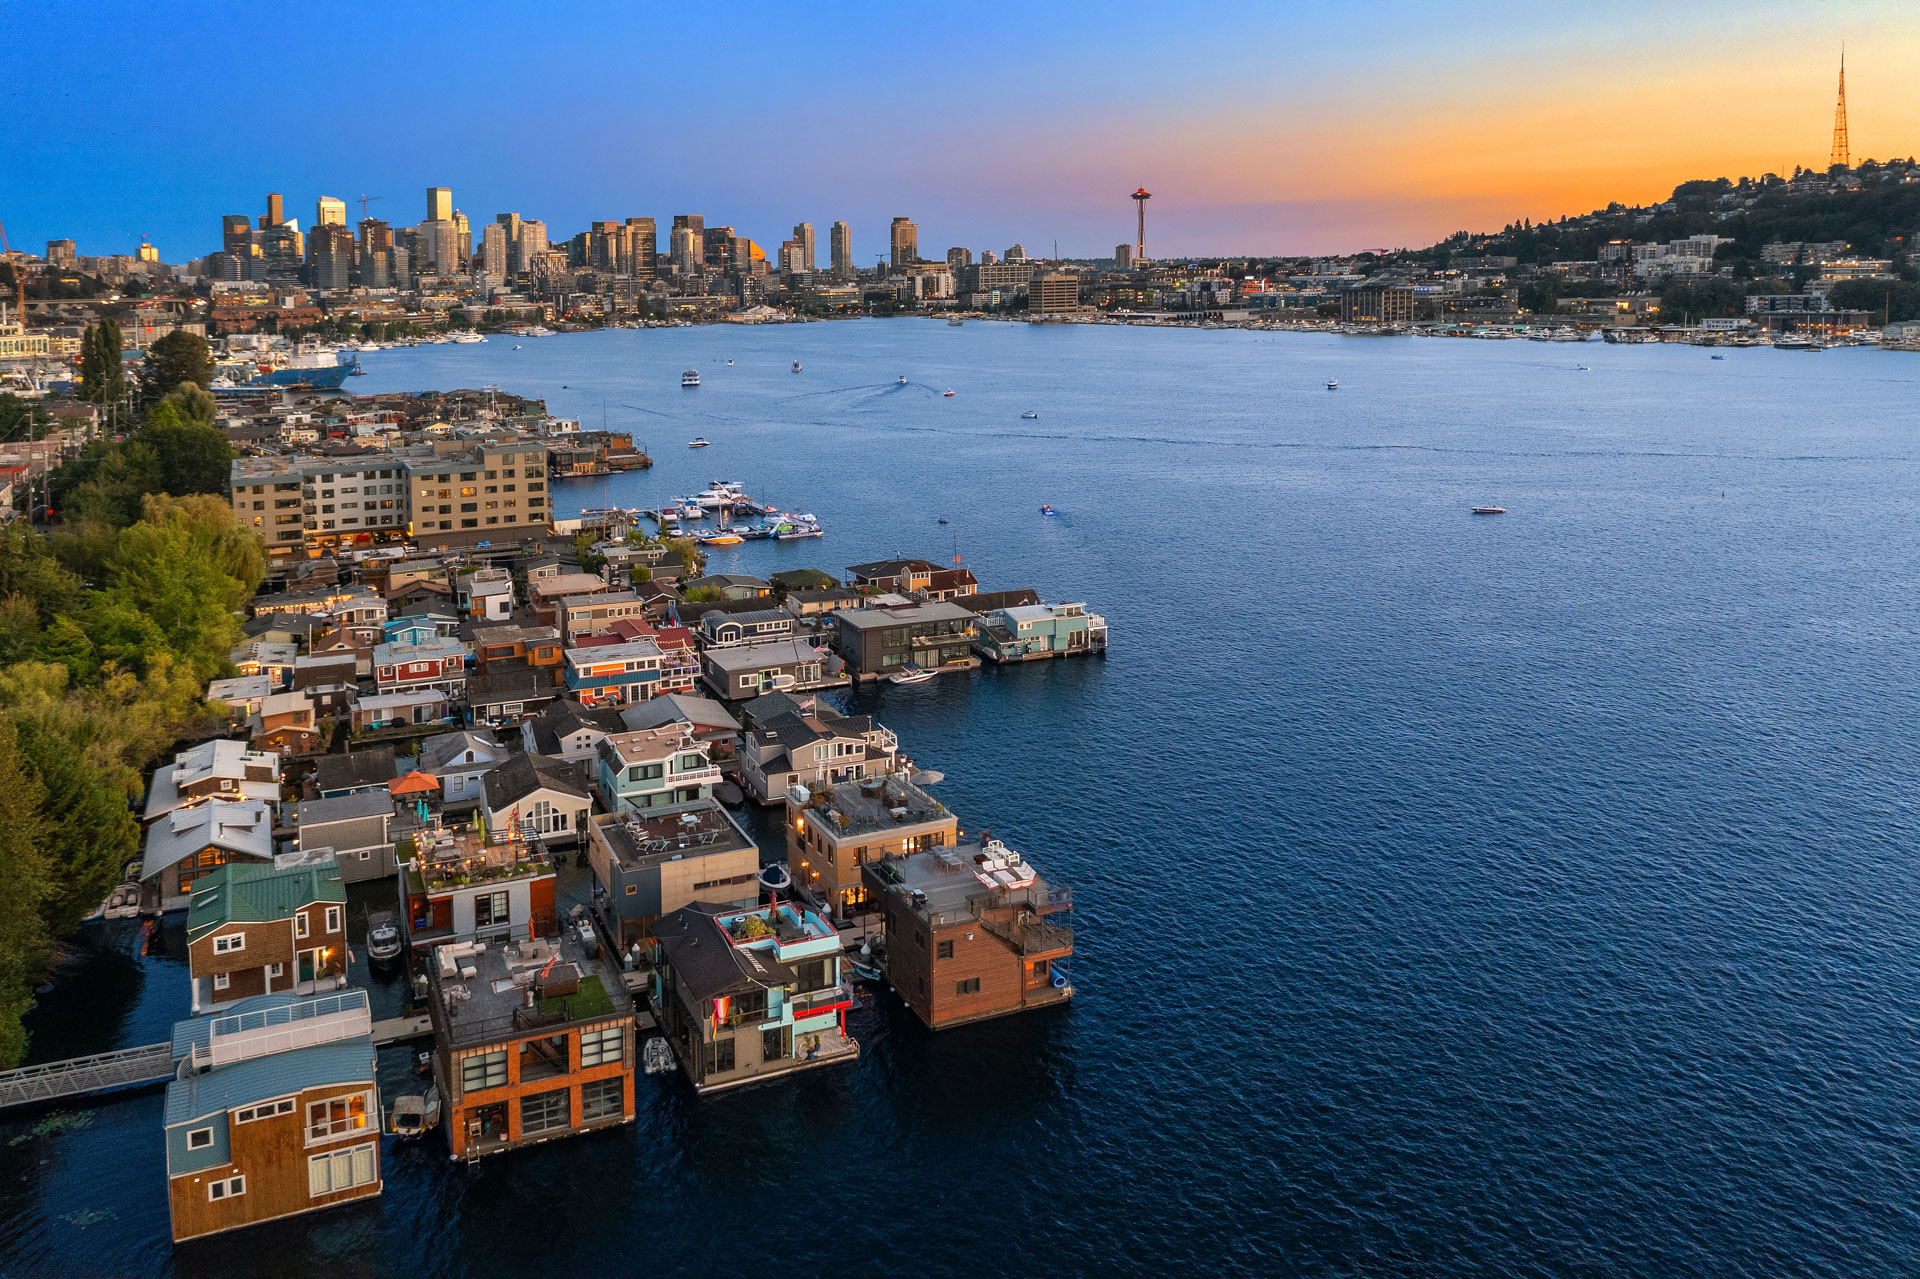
[{"x": 591, "y": 1000}]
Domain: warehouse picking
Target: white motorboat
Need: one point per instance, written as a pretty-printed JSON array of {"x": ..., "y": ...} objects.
[
  {"x": 690, "y": 378},
  {"x": 910, "y": 674},
  {"x": 1029, "y": 415},
  {"x": 698, "y": 444},
  {"x": 383, "y": 937},
  {"x": 796, "y": 366},
  {"x": 414, "y": 1114},
  {"x": 1333, "y": 384}
]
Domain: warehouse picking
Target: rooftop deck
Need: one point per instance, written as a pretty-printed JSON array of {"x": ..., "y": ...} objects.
[
  {"x": 455, "y": 859},
  {"x": 864, "y": 808},
  {"x": 640, "y": 840},
  {"x": 940, "y": 889},
  {"x": 489, "y": 993}
]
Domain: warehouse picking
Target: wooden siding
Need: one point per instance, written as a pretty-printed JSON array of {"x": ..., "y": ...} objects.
[{"x": 272, "y": 1155}]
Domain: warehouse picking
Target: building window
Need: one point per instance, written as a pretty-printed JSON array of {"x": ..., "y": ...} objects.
[
  {"x": 479, "y": 1071},
  {"x": 719, "y": 1056},
  {"x": 943, "y": 950},
  {"x": 265, "y": 1110},
  {"x": 333, "y": 916},
  {"x": 300, "y": 924},
  {"x": 490, "y": 909},
  {"x": 971, "y": 986},
  {"x": 336, "y": 1117},
  {"x": 229, "y": 943},
  {"x": 199, "y": 1138},
  {"x": 776, "y": 1043},
  {"x": 341, "y": 1170},
  {"x": 222, "y": 980},
  {"x": 599, "y": 1047},
  {"x": 602, "y": 1099},
  {"x": 226, "y": 1188},
  {"x": 276, "y": 970},
  {"x": 545, "y": 1111}
]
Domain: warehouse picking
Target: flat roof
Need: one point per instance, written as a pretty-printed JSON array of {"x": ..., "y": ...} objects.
[{"x": 700, "y": 829}]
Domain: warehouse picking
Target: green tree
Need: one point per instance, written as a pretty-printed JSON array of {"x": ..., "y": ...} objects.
[
  {"x": 192, "y": 457},
  {"x": 103, "y": 378},
  {"x": 25, "y": 875},
  {"x": 178, "y": 357},
  {"x": 194, "y": 401}
]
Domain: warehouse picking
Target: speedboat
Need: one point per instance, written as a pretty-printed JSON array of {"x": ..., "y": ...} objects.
[
  {"x": 697, "y": 444},
  {"x": 516, "y": 346},
  {"x": 947, "y": 394},
  {"x": 729, "y": 363},
  {"x": 796, "y": 366},
  {"x": 724, "y": 537},
  {"x": 1333, "y": 384},
  {"x": 690, "y": 378},
  {"x": 954, "y": 321},
  {"x": 383, "y": 938},
  {"x": 1489, "y": 510},
  {"x": 1048, "y": 510},
  {"x": 1029, "y": 415},
  {"x": 798, "y": 532},
  {"x": 903, "y": 380},
  {"x": 1716, "y": 357},
  {"x": 414, "y": 1114},
  {"x": 910, "y": 674},
  {"x": 943, "y": 519}
]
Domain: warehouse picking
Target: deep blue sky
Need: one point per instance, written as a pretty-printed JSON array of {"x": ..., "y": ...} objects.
[{"x": 1261, "y": 127}]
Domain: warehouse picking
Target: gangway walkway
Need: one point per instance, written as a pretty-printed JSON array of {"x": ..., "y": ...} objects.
[{"x": 76, "y": 1076}]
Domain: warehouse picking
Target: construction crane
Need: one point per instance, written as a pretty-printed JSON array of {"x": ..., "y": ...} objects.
[
  {"x": 19, "y": 278},
  {"x": 365, "y": 200}
]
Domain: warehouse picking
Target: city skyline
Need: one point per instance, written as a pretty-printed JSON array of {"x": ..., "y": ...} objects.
[{"x": 1321, "y": 130}]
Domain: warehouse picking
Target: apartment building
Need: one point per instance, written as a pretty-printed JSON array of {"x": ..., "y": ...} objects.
[{"x": 464, "y": 493}]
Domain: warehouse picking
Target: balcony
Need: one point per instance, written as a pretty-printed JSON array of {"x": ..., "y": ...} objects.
[{"x": 819, "y": 1001}]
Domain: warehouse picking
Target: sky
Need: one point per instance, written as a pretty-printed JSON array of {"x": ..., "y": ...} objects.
[{"x": 1261, "y": 128}]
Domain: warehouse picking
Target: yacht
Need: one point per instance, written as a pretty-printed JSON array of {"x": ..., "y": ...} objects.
[
  {"x": 698, "y": 444},
  {"x": 910, "y": 674},
  {"x": 690, "y": 378},
  {"x": 1333, "y": 384},
  {"x": 383, "y": 937},
  {"x": 467, "y": 338}
]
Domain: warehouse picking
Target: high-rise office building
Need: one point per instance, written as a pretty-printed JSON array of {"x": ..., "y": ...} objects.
[
  {"x": 959, "y": 260},
  {"x": 439, "y": 204},
  {"x": 375, "y": 235},
  {"x": 803, "y": 236},
  {"x": 236, "y": 235},
  {"x": 463, "y": 238},
  {"x": 904, "y": 239},
  {"x": 437, "y": 241},
  {"x": 330, "y": 257},
  {"x": 276, "y": 212},
  {"x": 695, "y": 225},
  {"x": 793, "y": 258},
  {"x": 988, "y": 257},
  {"x": 511, "y": 221},
  {"x": 530, "y": 246},
  {"x": 60, "y": 252},
  {"x": 329, "y": 211},
  {"x": 643, "y": 245},
  {"x": 749, "y": 259},
  {"x": 493, "y": 250},
  {"x": 1017, "y": 253},
  {"x": 840, "y": 251},
  {"x": 683, "y": 247}
]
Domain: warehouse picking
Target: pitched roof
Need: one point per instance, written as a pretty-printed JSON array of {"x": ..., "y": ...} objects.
[
  {"x": 243, "y": 829},
  {"x": 442, "y": 749},
  {"x": 248, "y": 892},
  {"x": 703, "y": 713},
  {"x": 373, "y": 767},
  {"x": 706, "y": 962},
  {"x": 341, "y": 808},
  {"x": 522, "y": 775}
]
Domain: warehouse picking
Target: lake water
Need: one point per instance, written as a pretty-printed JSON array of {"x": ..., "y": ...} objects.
[{"x": 1528, "y": 894}]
